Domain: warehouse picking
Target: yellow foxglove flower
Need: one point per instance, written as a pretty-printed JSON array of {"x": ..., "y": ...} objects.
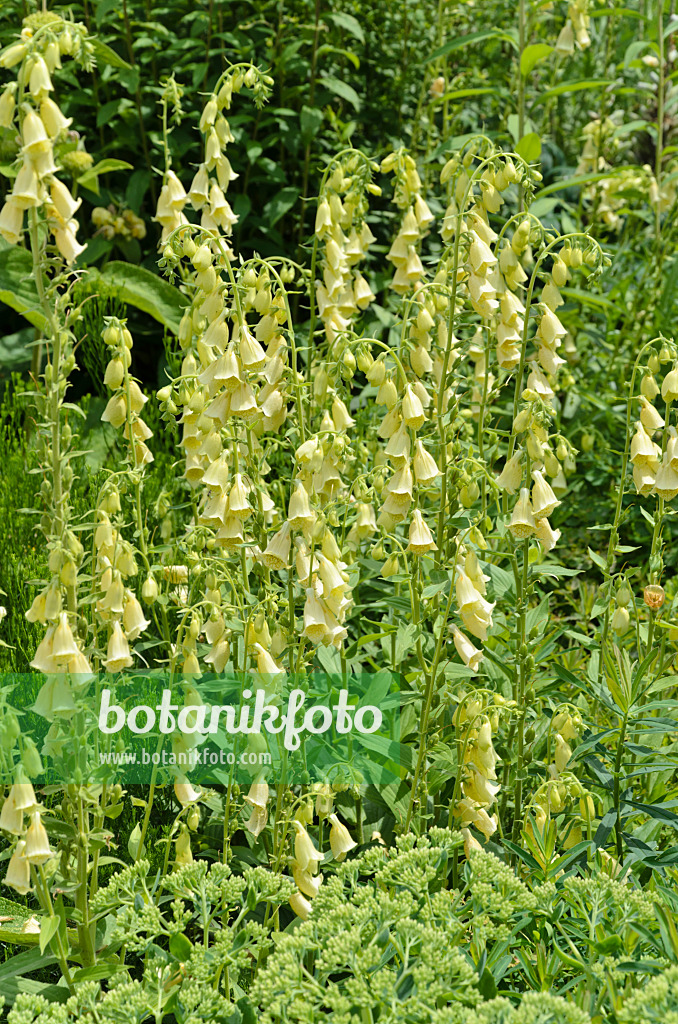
[
  {"x": 307, "y": 883},
  {"x": 340, "y": 839},
  {"x": 185, "y": 793},
  {"x": 26, "y": 191},
  {"x": 511, "y": 475},
  {"x": 424, "y": 465},
  {"x": 547, "y": 537},
  {"x": 643, "y": 478},
  {"x": 18, "y": 875},
  {"x": 469, "y": 654},
  {"x": 315, "y": 622},
  {"x": 37, "y": 842},
  {"x": 670, "y": 385},
  {"x": 649, "y": 416},
  {"x": 39, "y": 81},
  {"x": 183, "y": 854},
  {"x": 643, "y": 448},
  {"x": 563, "y": 753},
  {"x": 52, "y": 117},
  {"x": 11, "y": 222},
  {"x": 277, "y": 553},
  {"x": 301, "y": 906},
  {"x": 118, "y": 655},
  {"x": 305, "y": 852},
  {"x": 544, "y": 500},
  {"x": 64, "y": 646},
  {"x": 420, "y": 539},
  {"x": 666, "y": 481},
  {"x": 522, "y": 522},
  {"x": 257, "y": 798},
  {"x": 413, "y": 411},
  {"x": 470, "y": 844}
]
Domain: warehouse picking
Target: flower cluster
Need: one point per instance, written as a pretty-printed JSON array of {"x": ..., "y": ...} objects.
[
  {"x": 111, "y": 224},
  {"x": 32, "y": 846},
  {"x": 40, "y": 124},
  {"x": 655, "y": 466},
  {"x": 414, "y": 225},
  {"x": 343, "y": 291},
  {"x": 575, "y": 29},
  {"x": 479, "y": 785}
]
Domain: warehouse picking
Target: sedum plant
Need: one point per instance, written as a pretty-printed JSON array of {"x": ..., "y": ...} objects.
[{"x": 371, "y": 468}]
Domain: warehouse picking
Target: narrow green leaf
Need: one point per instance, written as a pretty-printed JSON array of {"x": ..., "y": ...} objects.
[
  {"x": 473, "y": 37},
  {"x": 568, "y": 87}
]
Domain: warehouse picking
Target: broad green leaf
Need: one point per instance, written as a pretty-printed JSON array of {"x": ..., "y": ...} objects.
[
  {"x": 347, "y": 22},
  {"x": 279, "y": 205},
  {"x": 532, "y": 55},
  {"x": 310, "y": 120},
  {"x": 529, "y": 147},
  {"x": 48, "y": 929},
  {"x": 343, "y": 90},
  {"x": 146, "y": 291},
  {"x": 327, "y": 49},
  {"x": 13, "y": 917},
  {"x": 15, "y": 349},
  {"x": 90, "y": 178},
  {"x": 17, "y": 289},
  {"x": 105, "y": 55},
  {"x": 405, "y": 640},
  {"x": 635, "y": 49}
]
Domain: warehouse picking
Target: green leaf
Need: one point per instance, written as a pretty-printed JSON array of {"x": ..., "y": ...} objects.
[
  {"x": 145, "y": 291},
  {"x": 97, "y": 972},
  {"x": 15, "y": 349},
  {"x": 567, "y": 87},
  {"x": 279, "y": 205},
  {"x": 17, "y": 289},
  {"x": 90, "y": 178},
  {"x": 460, "y": 94},
  {"x": 180, "y": 946},
  {"x": 349, "y": 23},
  {"x": 310, "y": 120},
  {"x": 134, "y": 841},
  {"x": 473, "y": 37},
  {"x": 22, "y": 963},
  {"x": 344, "y": 90},
  {"x": 529, "y": 147},
  {"x": 405, "y": 640},
  {"x": 597, "y": 559},
  {"x": 10, "y": 930},
  {"x": 105, "y": 55},
  {"x": 532, "y": 55},
  {"x": 48, "y": 929},
  {"x": 575, "y": 181}
]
